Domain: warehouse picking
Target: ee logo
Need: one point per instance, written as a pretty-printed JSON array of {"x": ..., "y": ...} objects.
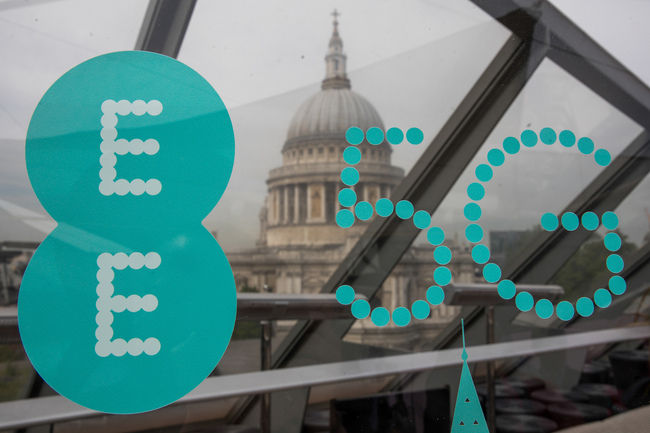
[{"x": 130, "y": 302}]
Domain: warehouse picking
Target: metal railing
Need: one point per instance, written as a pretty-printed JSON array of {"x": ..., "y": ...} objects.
[{"x": 50, "y": 410}]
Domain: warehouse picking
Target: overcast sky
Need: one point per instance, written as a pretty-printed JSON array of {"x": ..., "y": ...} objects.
[{"x": 414, "y": 60}]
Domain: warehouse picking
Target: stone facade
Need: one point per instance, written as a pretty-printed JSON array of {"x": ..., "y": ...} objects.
[{"x": 300, "y": 244}]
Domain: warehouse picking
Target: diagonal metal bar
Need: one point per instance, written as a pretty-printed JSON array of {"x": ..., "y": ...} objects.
[
  {"x": 378, "y": 251},
  {"x": 577, "y": 53},
  {"x": 573, "y": 50},
  {"x": 549, "y": 251},
  {"x": 164, "y": 26},
  {"x": 385, "y": 241}
]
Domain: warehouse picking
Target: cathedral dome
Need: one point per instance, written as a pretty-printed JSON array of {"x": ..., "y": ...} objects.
[{"x": 331, "y": 112}]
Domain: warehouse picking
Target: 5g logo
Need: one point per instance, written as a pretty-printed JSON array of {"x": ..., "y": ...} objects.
[{"x": 129, "y": 303}]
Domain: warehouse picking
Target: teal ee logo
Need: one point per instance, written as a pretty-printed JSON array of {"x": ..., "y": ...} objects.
[
  {"x": 130, "y": 302},
  {"x": 472, "y": 212}
]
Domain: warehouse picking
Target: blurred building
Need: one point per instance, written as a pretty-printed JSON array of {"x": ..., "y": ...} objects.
[{"x": 300, "y": 244}]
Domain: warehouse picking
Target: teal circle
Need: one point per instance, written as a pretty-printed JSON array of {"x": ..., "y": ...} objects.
[
  {"x": 615, "y": 263},
  {"x": 58, "y": 298},
  {"x": 565, "y": 311},
  {"x": 435, "y": 236},
  {"x": 491, "y": 272},
  {"x": 511, "y": 145},
  {"x": 585, "y": 307},
  {"x": 603, "y": 298},
  {"x": 354, "y": 135},
  {"x": 352, "y": 155},
  {"x": 602, "y": 157},
  {"x": 590, "y": 221},
  {"x": 394, "y": 136},
  {"x": 549, "y": 222},
  {"x": 475, "y": 191},
  {"x": 567, "y": 138},
  {"x": 414, "y": 136},
  {"x": 363, "y": 210},
  {"x": 401, "y": 316},
  {"x": 544, "y": 308},
  {"x": 528, "y": 138},
  {"x": 610, "y": 220},
  {"x": 435, "y": 295},
  {"x": 612, "y": 242},
  {"x": 442, "y": 276},
  {"x": 506, "y": 289},
  {"x": 472, "y": 211},
  {"x": 585, "y": 145},
  {"x": 484, "y": 172},
  {"x": 421, "y": 309},
  {"x": 360, "y": 309},
  {"x": 422, "y": 219},
  {"x": 617, "y": 285},
  {"x": 344, "y": 218},
  {"x": 480, "y": 254},
  {"x": 404, "y": 209},
  {"x": 345, "y": 295},
  {"x": 384, "y": 207},
  {"x": 349, "y": 176},
  {"x": 380, "y": 316},
  {"x": 570, "y": 221},
  {"x": 496, "y": 157},
  {"x": 375, "y": 135},
  {"x": 547, "y": 135},
  {"x": 474, "y": 233},
  {"x": 524, "y": 301},
  {"x": 347, "y": 197},
  {"x": 442, "y": 255}
]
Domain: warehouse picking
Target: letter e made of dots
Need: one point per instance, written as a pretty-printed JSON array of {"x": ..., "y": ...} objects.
[{"x": 130, "y": 302}]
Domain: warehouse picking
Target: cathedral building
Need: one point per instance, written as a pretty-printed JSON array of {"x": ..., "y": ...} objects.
[{"x": 300, "y": 245}]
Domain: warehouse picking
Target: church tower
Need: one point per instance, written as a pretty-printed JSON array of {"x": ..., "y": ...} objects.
[{"x": 302, "y": 196}]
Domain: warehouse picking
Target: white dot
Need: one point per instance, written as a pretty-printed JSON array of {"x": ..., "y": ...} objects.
[
  {"x": 103, "y": 348},
  {"x": 154, "y": 108},
  {"x": 105, "y": 260},
  {"x": 153, "y": 187},
  {"x": 152, "y": 260},
  {"x": 109, "y": 106},
  {"x": 135, "y": 346},
  {"x": 133, "y": 303},
  {"x": 151, "y": 346},
  {"x": 109, "y": 120},
  {"x": 107, "y": 146},
  {"x": 107, "y": 173},
  {"x": 105, "y": 290},
  {"x": 136, "y": 146},
  {"x": 151, "y": 146},
  {"x": 103, "y": 304},
  {"x": 108, "y": 159},
  {"x": 118, "y": 303},
  {"x": 104, "y": 333},
  {"x": 137, "y": 187},
  {"x": 123, "y": 107},
  {"x": 139, "y": 107},
  {"x": 120, "y": 261},
  {"x": 121, "y": 146},
  {"x": 106, "y": 187},
  {"x": 105, "y": 275},
  {"x": 104, "y": 318},
  {"x": 136, "y": 260},
  {"x": 119, "y": 347},
  {"x": 108, "y": 134},
  {"x": 149, "y": 303},
  {"x": 121, "y": 187}
]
